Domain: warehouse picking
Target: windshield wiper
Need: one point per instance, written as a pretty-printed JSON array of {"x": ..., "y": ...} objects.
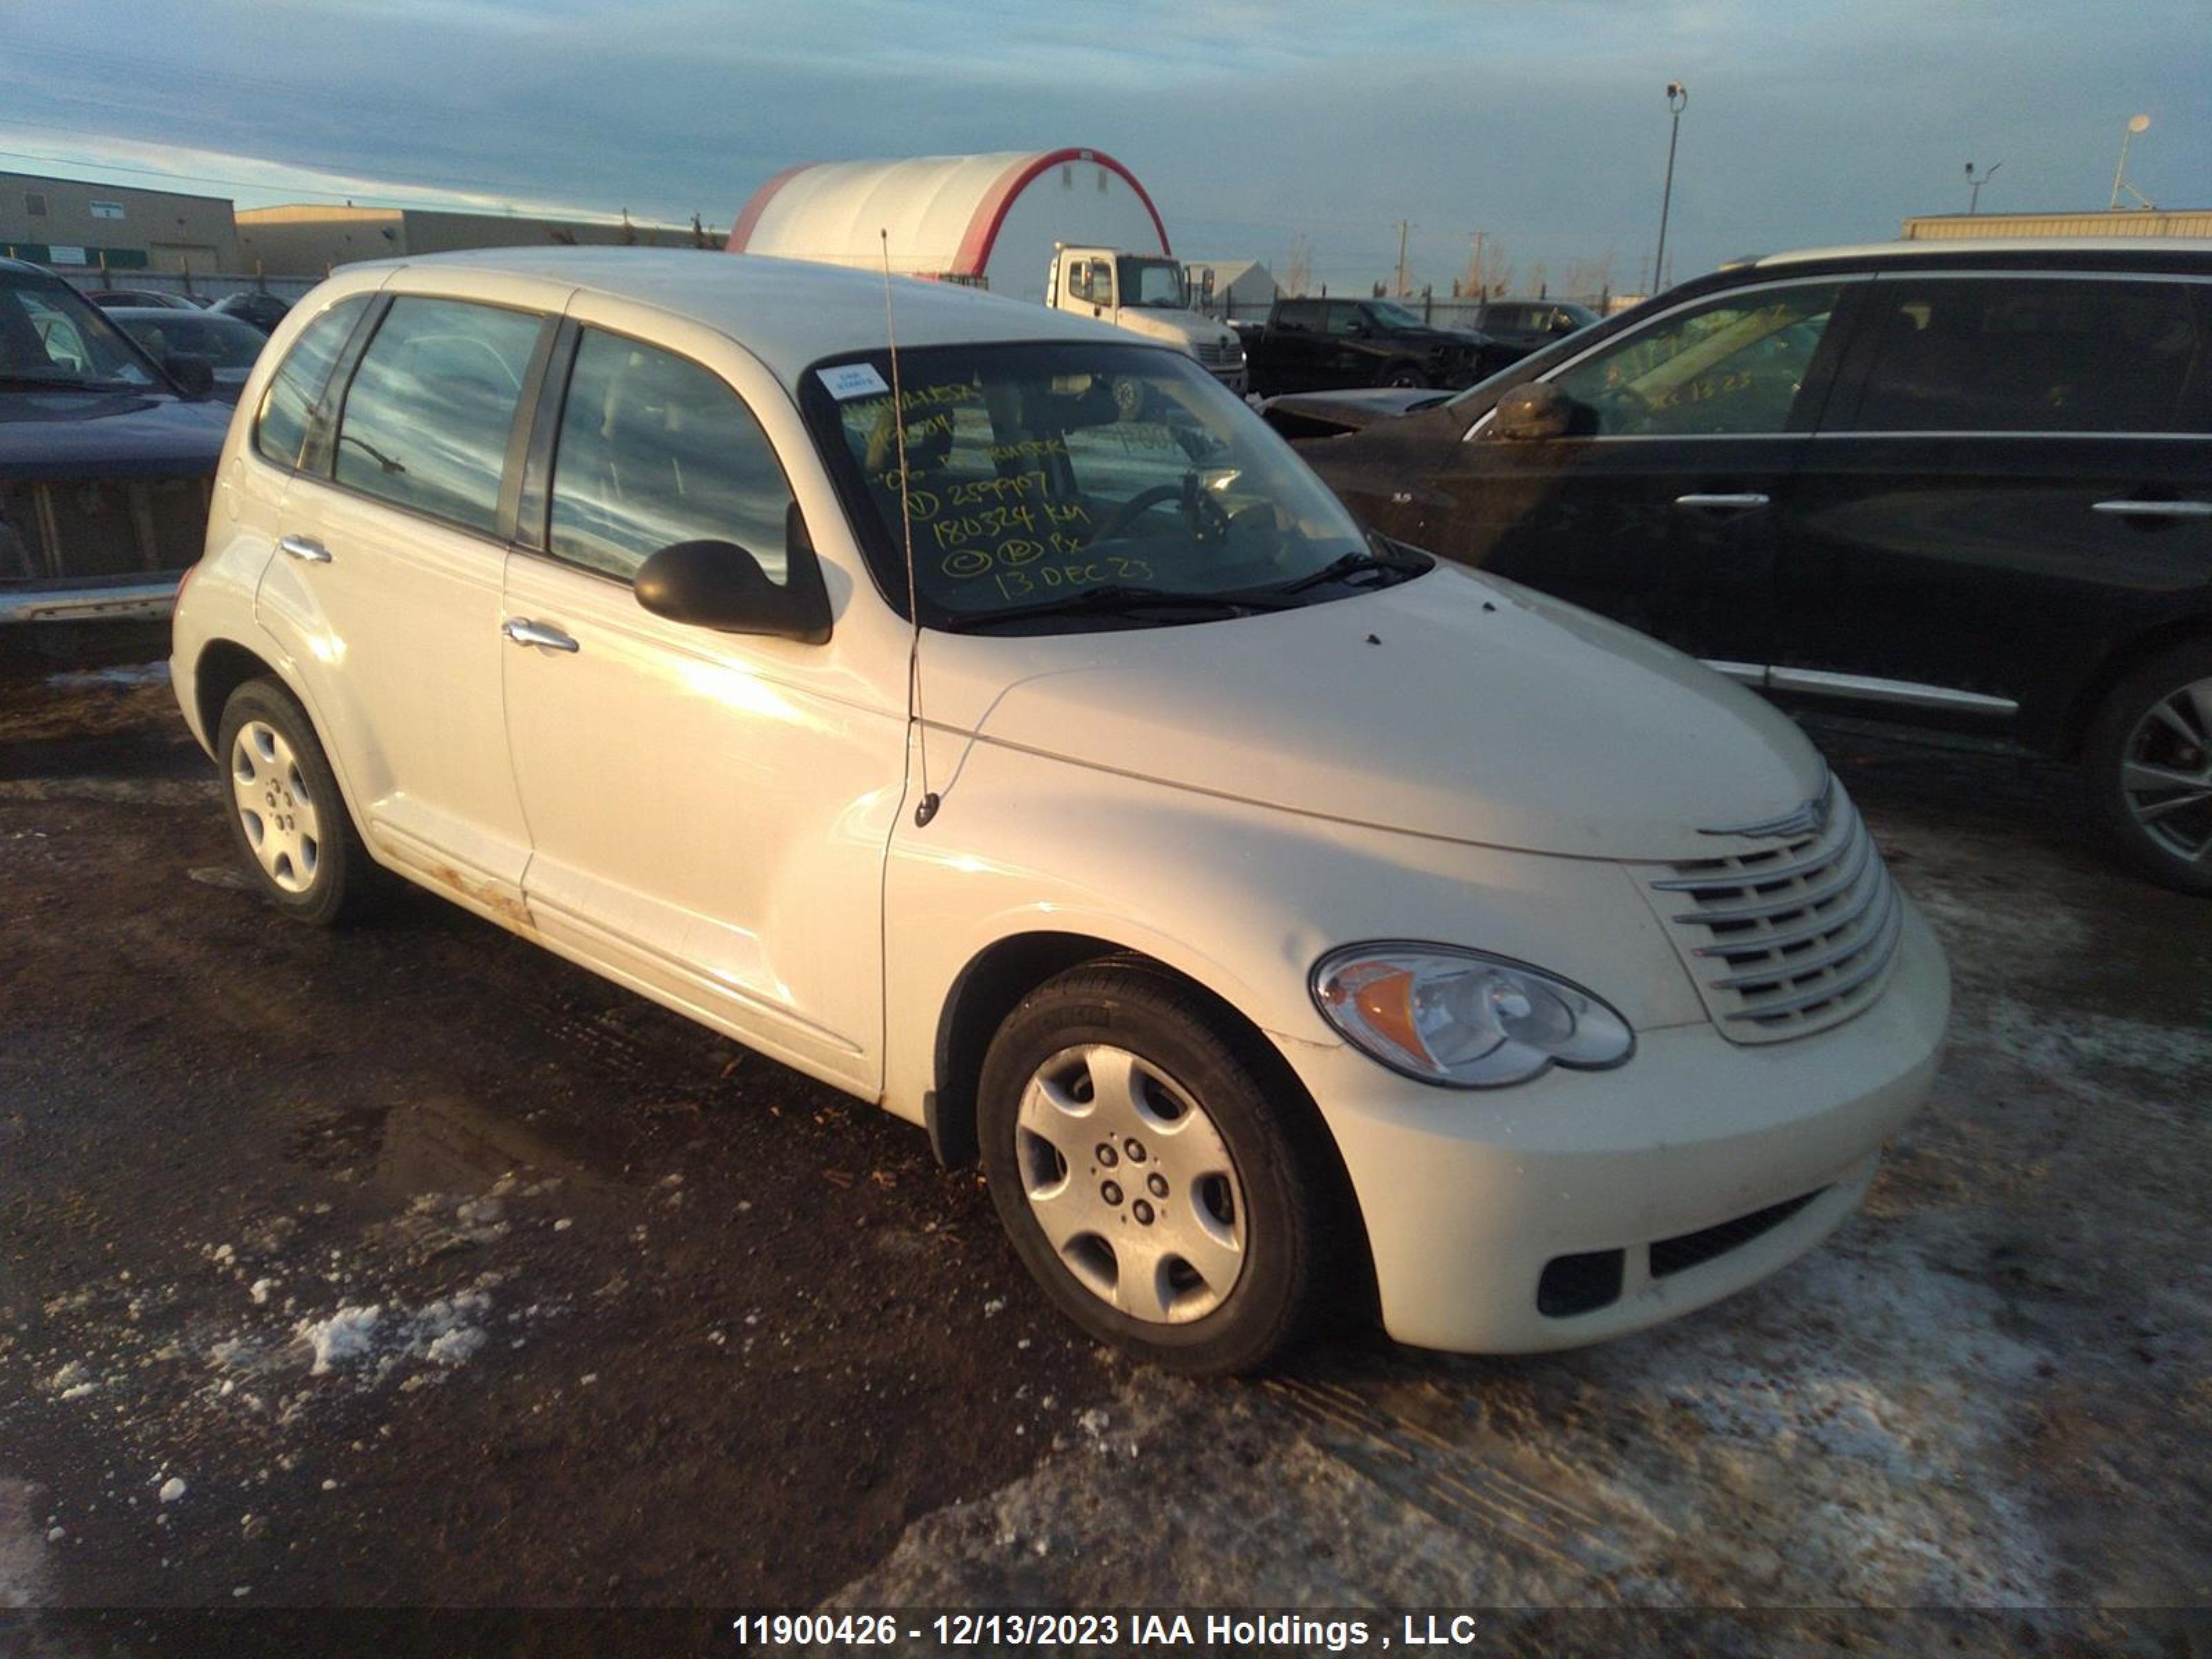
[
  {"x": 1380, "y": 553},
  {"x": 62, "y": 383},
  {"x": 1113, "y": 599}
]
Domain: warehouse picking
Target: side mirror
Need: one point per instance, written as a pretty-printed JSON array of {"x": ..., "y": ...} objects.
[
  {"x": 719, "y": 585},
  {"x": 1360, "y": 330},
  {"x": 194, "y": 375},
  {"x": 1532, "y": 412}
]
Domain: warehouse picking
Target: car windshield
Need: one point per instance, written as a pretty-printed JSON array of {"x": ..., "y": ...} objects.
[
  {"x": 1392, "y": 316},
  {"x": 1124, "y": 479},
  {"x": 49, "y": 335},
  {"x": 224, "y": 340},
  {"x": 1156, "y": 283}
]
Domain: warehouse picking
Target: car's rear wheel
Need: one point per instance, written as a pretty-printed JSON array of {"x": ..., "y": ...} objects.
[
  {"x": 1404, "y": 374},
  {"x": 2147, "y": 766},
  {"x": 1164, "y": 1200},
  {"x": 286, "y": 814}
]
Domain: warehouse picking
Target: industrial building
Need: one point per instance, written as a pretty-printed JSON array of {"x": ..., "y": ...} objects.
[
  {"x": 306, "y": 240},
  {"x": 75, "y": 227},
  {"x": 2121, "y": 222}
]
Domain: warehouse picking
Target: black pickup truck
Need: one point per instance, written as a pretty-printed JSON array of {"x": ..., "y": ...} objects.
[{"x": 1320, "y": 345}]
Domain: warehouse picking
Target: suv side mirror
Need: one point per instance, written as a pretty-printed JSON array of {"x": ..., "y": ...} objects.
[
  {"x": 719, "y": 585},
  {"x": 1532, "y": 412},
  {"x": 194, "y": 375}
]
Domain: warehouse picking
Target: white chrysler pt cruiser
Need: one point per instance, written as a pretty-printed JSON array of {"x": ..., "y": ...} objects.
[{"x": 1007, "y": 728}]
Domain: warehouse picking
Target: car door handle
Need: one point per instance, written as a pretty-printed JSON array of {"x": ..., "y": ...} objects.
[
  {"x": 523, "y": 631},
  {"x": 1736, "y": 503},
  {"x": 2156, "y": 509},
  {"x": 306, "y": 548}
]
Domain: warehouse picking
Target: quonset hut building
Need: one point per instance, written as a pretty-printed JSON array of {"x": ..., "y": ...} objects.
[{"x": 986, "y": 220}]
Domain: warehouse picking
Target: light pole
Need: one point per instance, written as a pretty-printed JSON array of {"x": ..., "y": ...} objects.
[
  {"x": 1974, "y": 186},
  {"x": 2134, "y": 126},
  {"x": 1678, "y": 96}
]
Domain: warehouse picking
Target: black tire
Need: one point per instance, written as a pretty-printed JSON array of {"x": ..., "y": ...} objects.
[
  {"x": 1404, "y": 374},
  {"x": 2173, "y": 847},
  {"x": 1292, "y": 1210},
  {"x": 340, "y": 882}
]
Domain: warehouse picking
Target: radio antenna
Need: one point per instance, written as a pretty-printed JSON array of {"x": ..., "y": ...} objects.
[{"x": 928, "y": 809}]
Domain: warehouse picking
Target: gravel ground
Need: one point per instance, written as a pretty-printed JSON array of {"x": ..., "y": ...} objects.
[{"x": 414, "y": 1268}]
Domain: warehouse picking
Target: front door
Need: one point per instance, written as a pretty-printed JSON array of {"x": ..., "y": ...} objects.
[
  {"x": 1658, "y": 505},
  {"x": 708, "y": 811}
]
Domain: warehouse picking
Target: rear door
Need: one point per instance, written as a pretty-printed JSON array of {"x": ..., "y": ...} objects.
[
  {"x": 2015, "y": 474},
  {"x": 390, "y": 589},
  {"x": 1658, "y": 508}
]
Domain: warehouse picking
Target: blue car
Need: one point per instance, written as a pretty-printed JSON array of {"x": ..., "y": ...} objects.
[{"x": 106, "y": 461}]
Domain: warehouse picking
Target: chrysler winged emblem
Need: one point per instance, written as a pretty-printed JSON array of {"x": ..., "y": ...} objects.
[{"x": 1810, "y": 819}]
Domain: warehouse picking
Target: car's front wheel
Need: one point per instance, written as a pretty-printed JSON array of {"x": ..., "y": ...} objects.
[
  {"x": 286, "y": 814},
  {"x": 1164, "y": 1200},
  {"x": 1408, "y": 375},
  {"x": 2147, "y": 765}
]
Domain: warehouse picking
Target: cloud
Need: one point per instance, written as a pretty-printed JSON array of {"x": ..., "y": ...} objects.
[{"x": 1540, "y": 122}]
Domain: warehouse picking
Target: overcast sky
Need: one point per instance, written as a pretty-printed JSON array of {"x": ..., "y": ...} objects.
[{"x": 1541, "y": 123}]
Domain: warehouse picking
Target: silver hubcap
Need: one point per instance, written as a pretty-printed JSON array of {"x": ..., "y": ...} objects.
[
  {"x": 1132, "y": 1184},
  {"x": 273, "y": 803},
  {"x": 2166, "y": 773}
]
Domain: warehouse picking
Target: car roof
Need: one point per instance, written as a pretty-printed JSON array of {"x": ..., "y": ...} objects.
[
  {"x": 2099, "y": 250},
  {"x": 790, "y": 313}
]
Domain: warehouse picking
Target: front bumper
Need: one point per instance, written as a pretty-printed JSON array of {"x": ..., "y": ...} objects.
[
  {"x": 91, "y": 599},
  {"x": 1468, "y": 1197}
]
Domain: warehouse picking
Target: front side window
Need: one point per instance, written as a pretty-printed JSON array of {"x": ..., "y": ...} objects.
[
  {"x": 428, "y": 414},
  {"x": 656, "y": 450},
  {"x": 1735, "y": 366},
  {"x": 1158, "y": 283},
  {"x": 1027, "y": 481},
  {"x": 1299, "y": 316},
  {"x": 282, "y": 426},
  {"x": 2024, "y": 355}
]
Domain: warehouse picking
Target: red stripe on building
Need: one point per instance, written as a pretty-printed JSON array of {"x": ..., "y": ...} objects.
[{"x": 991, "y": 212}]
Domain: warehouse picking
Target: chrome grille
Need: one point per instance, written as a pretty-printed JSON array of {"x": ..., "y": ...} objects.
[
  {"x": 1220, "y": 355},
  {"x": 72, "y": 527},
  {"x": 1791, "y": 938}
]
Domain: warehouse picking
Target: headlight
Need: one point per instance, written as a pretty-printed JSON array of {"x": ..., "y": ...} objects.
[{"x": 1464, "y": 1020}]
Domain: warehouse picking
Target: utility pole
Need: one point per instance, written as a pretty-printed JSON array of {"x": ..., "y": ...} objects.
[
  {"x": 1678, "y": 97},
  {"x": 1403, "y": 227}
]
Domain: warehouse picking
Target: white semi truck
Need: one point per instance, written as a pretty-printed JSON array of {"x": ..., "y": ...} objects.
[{"x": 1076, "y": 217}]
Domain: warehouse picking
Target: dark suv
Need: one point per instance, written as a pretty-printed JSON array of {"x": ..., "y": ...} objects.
[
  {"x": 1522, "y": 326},
  {"x": 1312, "y": 344},
  {"x": 1965, "y": 485}
]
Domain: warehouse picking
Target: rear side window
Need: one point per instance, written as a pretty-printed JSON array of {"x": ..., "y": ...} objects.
[
  {"x": 2028, "y": 354},
  {"x": 281, "y": 427},
  {"x": 1299, "y": 314},
  {"x": 431, "y": 407},
  {"x": 656, "y": 450}
]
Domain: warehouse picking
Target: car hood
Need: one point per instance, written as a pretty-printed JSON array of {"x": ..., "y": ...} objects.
[
  {"x": 1454, "y": 705},
  {"x": 81, "y": 434},
  {"x": 1361, "y": 407}
]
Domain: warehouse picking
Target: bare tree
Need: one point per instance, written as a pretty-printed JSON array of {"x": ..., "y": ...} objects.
[
  {"x": 629, "y": 230},
  {"x": 699, "y": 237},
  {"x": 1588, "y": 279},
  {"x": 1489, "y": 271},
  {"x": 1297, "y": 268}
]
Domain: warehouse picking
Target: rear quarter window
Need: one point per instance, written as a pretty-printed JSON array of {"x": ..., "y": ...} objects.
[{"x": 281, "y": 427}]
